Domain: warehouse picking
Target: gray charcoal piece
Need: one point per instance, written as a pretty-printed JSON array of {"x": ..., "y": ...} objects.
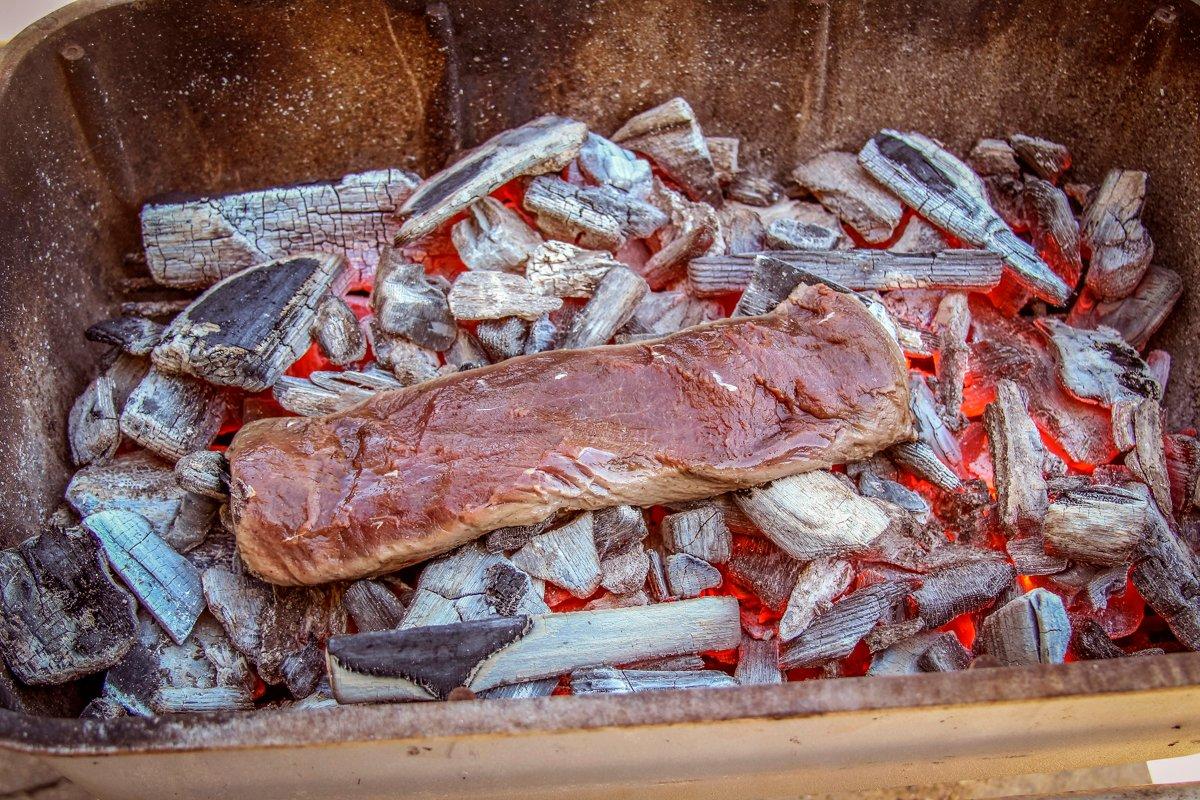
[
  {"x": 768, "y": 571},
  {"x": 205, "y": 472},
  {"x": 946, "y": 654},
  {"x": 1030, "y": 629},
  {"x": 565, "y": 556},
  {"x": 835, "y": 633},
  {"x": 688, "y": 576},
  {"x": 904, "y": 656},
  {"x": 624, "y": 572},
  {"x": 1118, "y": 245},
  {"x": 951, "y": 591},
  {"x": 165, "y": 583},
  {"x": 136, "y": 336},
  {"x": 493, "y": 236},
  {"x": 372, "y": 606},
  {"x": 173, "y": 415},
  {"x": 63, "y": 616},
  {"x": 617, "y": 527},
  {"x": 670, "y": 135},
  {"x": 1098, "y": 365},
  {"x": 1017, "y": 458},
  {"x": 93, "y": 427},
  {"x": 609, "y": 680},
  {"x": 502, "y": 338},
  {"x": 838, "y": 181},
  {"x": 337, "y": 332},
  {"x": 758, "y": 662},
  {"x": 1048, "y": 159},
  {"x": 562, "y": 269},
  {"x": 462, "y": 586},
  {"x": 817, "y": 585},
  {"x": 605, "y": 162},
  {"x": 724, "y": 152},
  {"x": 700, "y": 532},
  {"x": 494, "y": 295},
  {"x": 248, "y": 328},
  {"x": 600, "y": 217},
  {"x": 611, "y": 306},
  {"x": 408, "y": 304},
  {"x": 792, "y": 234}
]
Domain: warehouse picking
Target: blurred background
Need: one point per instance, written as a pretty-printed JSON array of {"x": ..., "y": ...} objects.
[{"x": 16, "y": 14}]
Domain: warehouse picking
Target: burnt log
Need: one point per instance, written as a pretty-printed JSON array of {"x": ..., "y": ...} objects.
[
  {"x": 565, "y": 556},
  {"x": 1167, "y": 574},
  {"x": 1017, "y": 459},
  {"x": 1053, "y": 229}
]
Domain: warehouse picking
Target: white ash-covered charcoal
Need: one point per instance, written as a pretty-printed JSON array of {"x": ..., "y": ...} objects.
[
  {"x": 1090, "y": 641},
  {"x": 934, "y": 434},
  {"x": 565, "y": 556},
  {"x": 607, "y": 680},
  {"x": 791, "y": 234},
  {"x": 814, "y": 514},
  {"x": 741, "y": 229},
  {"x": 1029, "y": 557},
  {"x": 889, "y": 633},
  {"x": 1167, "y": 574},
  {"x": 164, "y": 582},
  {"x": 871, "y": 484},
  {"x": 754, "y": 190},
  {"x": 758, "y": 662},
  {"x": 456, "y": 587},
  {"x": 610, "y": 600},
  {"x": 962, "y": 588},
  {"x": 173, "y": 415},
  {"x": 660, "y": 313},
  {"x": 141, "y": 483},
  {"x": 205, "y": 472},
  {"x": 337, "y": 332},
  {"x": 509, "y": 591},
  {"x": 919, "y": 237},
  {"x": 126, "y": 372},
  {"x": 493, "y": 236},
  {"x": 623, "y": 572},
  {"x": 953, "y": 355},
  {"x": 700, "y": 532},
  {"x": 859, "y": 270},
  {"x": 62, "y": 616},
  {"x": 372, "y": 606},
  {"x": 1048, "y": 159},
  {"x": 160, "y": 676},
  {"x": 688, "y": 576},
  {"x": 766, "y": 570},
  {"x": 994, "y": 157},
  {"x": 670, "y": 135},
  {"x": 835, "y": 633},
  {"x": 134, "y": 335},
  {"x": 1053, "y": 228},
  {"x": 1030, "y": 629},
  {"x": 467, "y": 352},
  {"x": 1138, "y": 316},
  {"x": 336, "y": 391},
  {"x": 838, "y": 181},
  {"x": 516, "y": 691},
  {"x": 694, "y": 230},
  {"x": 1098, "y": 365},
  {"x": 279, "y": 629},
  {"x": 93, "y": 427},
  {"x": 1148, "y": 459},
  {"x": 494, "y": 295},
  {"x": 408, "y": 304},
  {"x": 561, "y": 269},
  {"x": 197, "y": 243},
  {"x": 1118, "y": 246},
  {"x": 430, "y": 662},
  {"x": 903, "y": 657},
  {"x": 946, "y": 192},
  {"x": 1018, "y": 456},
  {"x": 818, "y": 584},
  {"x": 945, "y": 654},
  {"x": 599, "y": 217},
  {"x": 248, "y": 328},
  {"x": 540, "y": 146},
  {"x": 612, "y": 304},
  {"x": 724, "y": 152},
  {"x": 408, "y": 361},
  {"x": 609, "y": 164},
  {"x": 502, "y": 338},
  {"x": 1098, "y": 525}
]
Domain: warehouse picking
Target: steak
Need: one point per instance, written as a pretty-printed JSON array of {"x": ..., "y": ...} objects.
[{"x": 411, "y": 473}]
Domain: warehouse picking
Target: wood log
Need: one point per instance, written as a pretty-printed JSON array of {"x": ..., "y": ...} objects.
[
  {"x": 428, "y": 663},
  {"x": 493, "y": 295},
  {"x": 1030, "y": 629},
  {"x": 814, "y": 515},
  {"x": 840, "y": 183},
  {"x": 194, "y": 244},
  {"x": 1017, "y": 458},
  {"x": 946, "y": 192},
  {"x": 598, "y": 217},
  {"x": 1048, "y": 159},
  {"x": 407, "y": 303},
  {"x": 1118, "y": 246},
  {"x": 835, "y": 633},
  {"x": 607, "y": 163},
  {"x": 859, "y": 270},
  {"x": 173, "y": 415},
  {"x": 1138, "y": 316},
  {"x": 818, "y": 584},
  {"x": 670, "y": 135},
  {"x": 544, "y": 145},
  {"x": 607, "y": 680},
  {"x": 564, "y": 270},
  {"x": 1098, "y": 525},
  {"x": 493, "y": 236},
  {"x": 248, "y": 328},
  {"x": 165, "y": 583},
  {"x": 93, "y": 429},
  {"x": 612, "y": 304},
  {"x": 63, "y": 616},
  {"x": 337, "y": 332}
]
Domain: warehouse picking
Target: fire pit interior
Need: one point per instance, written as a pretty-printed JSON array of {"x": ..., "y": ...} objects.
[{"x": 991, "y": 253}]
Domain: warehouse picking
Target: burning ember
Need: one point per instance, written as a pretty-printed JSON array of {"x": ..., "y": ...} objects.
[{"x": 586, "y": 415}]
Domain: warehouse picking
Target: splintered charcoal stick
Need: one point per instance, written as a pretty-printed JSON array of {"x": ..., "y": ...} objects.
[{"x": 412, "y": 473}]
